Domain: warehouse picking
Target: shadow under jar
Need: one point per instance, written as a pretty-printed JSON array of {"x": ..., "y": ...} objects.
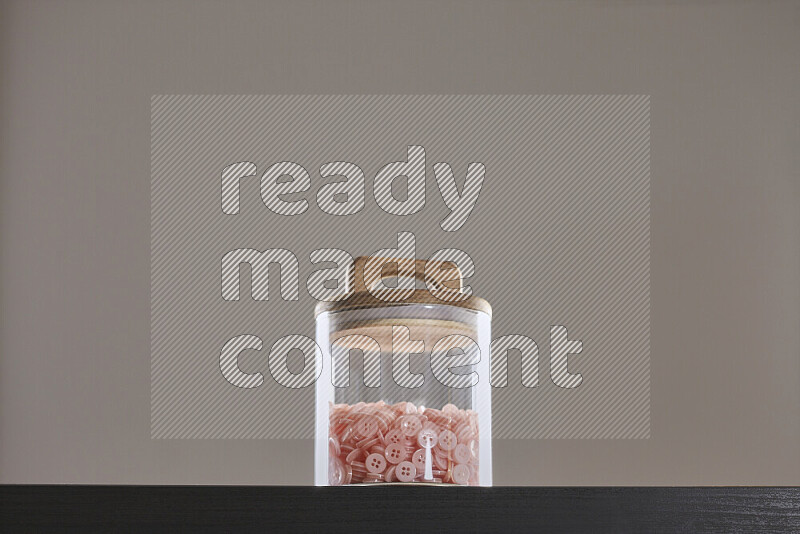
[{"x": 404, "y": 394}]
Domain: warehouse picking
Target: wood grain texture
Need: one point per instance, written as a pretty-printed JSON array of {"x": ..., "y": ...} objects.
[{"x": 385, "y": 509}]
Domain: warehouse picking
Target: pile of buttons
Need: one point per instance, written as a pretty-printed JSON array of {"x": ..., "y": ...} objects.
[{"x": 378, "y": 442}]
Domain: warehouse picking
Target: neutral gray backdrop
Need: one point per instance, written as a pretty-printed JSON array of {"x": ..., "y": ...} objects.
[
  {"x": 559, "y": 235},
  {"x": 76, "y": 79}
]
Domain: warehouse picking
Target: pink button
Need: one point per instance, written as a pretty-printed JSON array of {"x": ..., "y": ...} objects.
[
  {"x": 359, "y": 467},
  {"x": 359, "y": 470},
  {"x": 375, "y": 463},
  {"x": 447, "y": 440},
  {"x": 348, "y": 474},
  {"x": 440, "y": 461},
  {"x": 462, "y": 453},
  {"x": 366, "y": 426},
  {"x": 464, "y": 433},
  {"x": 384, "y": 420},
  {"x": 427, "y": 438},
  {"x": 354, "y": 455},
  {"x": 393, "y": 436},
  {"x": 418, "y": 459},
  {"x": 410, "y": 425},
  {"x": 474, "y": 449},
  {"x": 405, "y": 472},
  {"x": 372, "y": 478},
  {"x": 377, "y": 442},
  {"x": 367, "y": 443},
  {"x": 389, "y": 475},
  {"x": 336, "y": 472},
  {"x": 430, "y": 425},
  {"x": 348, "y": 434},
  {"x": 461, "y": 474},
  {"x": 395, "y": 453},
  {"x": 334, "y": 447},
  {"x": 451, "y": 409}
]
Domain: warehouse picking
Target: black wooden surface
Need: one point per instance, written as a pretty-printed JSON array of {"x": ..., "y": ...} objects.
[{"x": 394, "y": 508}]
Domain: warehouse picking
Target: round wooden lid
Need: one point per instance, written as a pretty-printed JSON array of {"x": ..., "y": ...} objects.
[{"x": 367, "y": 272}]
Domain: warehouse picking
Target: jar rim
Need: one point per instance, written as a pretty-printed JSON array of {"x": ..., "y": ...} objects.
[{"x": 365, "y": 300}]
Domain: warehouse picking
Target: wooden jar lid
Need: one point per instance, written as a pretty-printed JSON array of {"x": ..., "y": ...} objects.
[{"x": 364, "y": 275}]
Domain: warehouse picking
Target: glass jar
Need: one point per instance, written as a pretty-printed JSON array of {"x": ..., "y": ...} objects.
[{"x": 404, "y": 394}]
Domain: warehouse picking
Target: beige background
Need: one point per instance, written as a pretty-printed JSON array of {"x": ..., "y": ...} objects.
[{"x": 75, "y": 84}]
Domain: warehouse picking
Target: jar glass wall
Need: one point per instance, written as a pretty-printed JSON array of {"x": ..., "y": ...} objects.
[{"x": 404, "y": 395}]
